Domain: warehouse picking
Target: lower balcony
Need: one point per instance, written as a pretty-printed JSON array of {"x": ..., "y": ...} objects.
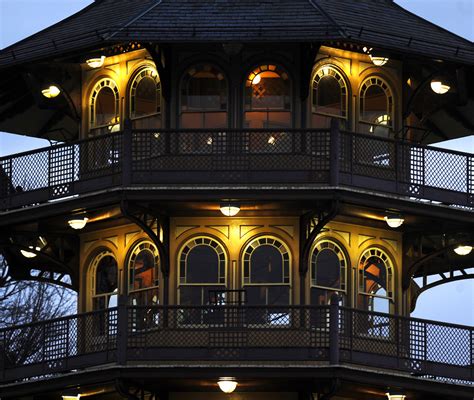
[
  {"x": 311, "y": 157},
  {"x": 306, "y": 335}
]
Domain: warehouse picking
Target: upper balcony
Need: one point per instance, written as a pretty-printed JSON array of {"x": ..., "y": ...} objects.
[{"x": 312, "y": 158}]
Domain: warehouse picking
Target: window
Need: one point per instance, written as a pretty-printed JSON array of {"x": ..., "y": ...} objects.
[
  {"x": 376, "y": 107},
  {"x": 328, "y": 272},
  {"x": 143, "y": 274},
  {"x": 145, "y": 99},
  {"x": 203, "y": 100},
  {"x": 104, "y": 283},
  {"x": 268, "y": 98},
  {"x": 329, "y": 97},
  {"x": 104, "y": 108}
]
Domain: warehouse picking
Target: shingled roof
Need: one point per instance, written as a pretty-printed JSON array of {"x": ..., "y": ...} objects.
[{"x": 376, "y": 23}]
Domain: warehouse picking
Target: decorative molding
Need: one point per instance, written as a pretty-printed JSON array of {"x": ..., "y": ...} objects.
[
  {"x": 224, "y": 229},
  {"x": 288, "y": 229},
  {"x": 87, "y": 245},
  {"x": 113, "y": 240},
  {"x": 180, "y": 229},
  {"x": 364, "y": 238},
  {"x": 246, "y": 229},
  {"x": 129, "y": 236},
  {"x": 393, "y": 243},
  {"x": 345, "y": 235}
]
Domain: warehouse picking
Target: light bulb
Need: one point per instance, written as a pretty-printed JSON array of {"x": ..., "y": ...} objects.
[{"x": 227, "y": 385}]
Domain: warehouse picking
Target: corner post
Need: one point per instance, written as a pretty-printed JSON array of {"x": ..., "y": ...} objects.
[
  {"x": 334, "y": 312},
  {"x": 334, "y": 152},
  {"x": 127, "y": 153},
  {"x": 122, "y": 330}
]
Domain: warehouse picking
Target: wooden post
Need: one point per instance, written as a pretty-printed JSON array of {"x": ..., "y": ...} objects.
[
  {"x": 122, "y": 330},
  {"x": 127, "y": 153},
  {"x": 334, "y": 330},
  {"x": 334, "y": 152}
]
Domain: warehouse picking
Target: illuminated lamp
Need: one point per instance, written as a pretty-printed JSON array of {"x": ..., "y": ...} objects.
[
  {"x": 51, "y": 92},
  {"x": 379, "y": 59},
  {"x": 95, "y": 62},
  {"x": 395, "y": 396},
  {"x": 30, "y": 254},
  {"x": 394, "y": 220},
  {"x": 463, "y": 250},
  {"x": 229, "y": 209},
  {"x": 256, "y": 80},
  {"x": 78, "y": 223},
  {"x": 227, "y": 384},
  {"x": 439, "y": 86}
]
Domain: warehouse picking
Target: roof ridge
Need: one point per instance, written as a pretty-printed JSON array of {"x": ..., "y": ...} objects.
[
  {"x": 133, "y": 20},
  {"x": 328, "y": 16}
]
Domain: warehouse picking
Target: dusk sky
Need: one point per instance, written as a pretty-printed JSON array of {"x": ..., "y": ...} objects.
[{"x": 21, "y": 18}]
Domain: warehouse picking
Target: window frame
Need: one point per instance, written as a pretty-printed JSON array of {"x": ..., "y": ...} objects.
[
  {"x": 99, "y": 85},
  {"x": 142, "y": 73},
  {"x": 93, "y": 265},
  {"x": 376, "y": 80}
]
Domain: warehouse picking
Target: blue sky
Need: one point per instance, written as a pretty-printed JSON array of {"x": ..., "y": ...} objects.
[{"x": 21, "y": 18}]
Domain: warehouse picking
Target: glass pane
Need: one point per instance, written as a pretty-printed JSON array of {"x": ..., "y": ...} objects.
[
  {"x": 328, "y": 96},
  {"x": 106, "y": 275},
  {"x": 278, "y": 295},
  {"x": 375, "y": 103},
  {"x": 327, "y": 270},
  {"x": 202, "y": 265},
  {"x": 146, "y": 98},
  {"x": 105, "y": 107},
  {"x": 375, "y": 276},
  {"x": 266, "y": 265},
  {"x": 143, "y": 271},
  {"x": 270, "y": 91}
]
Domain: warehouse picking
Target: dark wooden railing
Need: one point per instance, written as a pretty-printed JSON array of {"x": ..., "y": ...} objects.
[
  {"x": 331, "y": 335},
  {"x": 310, "y": 156}
]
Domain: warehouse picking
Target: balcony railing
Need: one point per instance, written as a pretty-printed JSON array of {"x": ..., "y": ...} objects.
[
  {"x": 328, "y": 335},
  {"x": 311, "y": 156}
]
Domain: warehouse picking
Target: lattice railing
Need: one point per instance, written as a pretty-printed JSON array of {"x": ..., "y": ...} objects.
[
  {"x": 331, "y": 334},
  {"x": 297, "y": 156}
]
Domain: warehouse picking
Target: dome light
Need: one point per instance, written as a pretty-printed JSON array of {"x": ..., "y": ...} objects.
[
  {"x": 78, "y": 223},
  {"x": 30, "y": 254},
  {"x": 379, "y": 60},
  {"x": 229, "y": 209},
  {"x": 463, "y": 250},
  {"x": 51, "y": 92},
  {"x": 394, "y": 220},
  {"x": 227, "y": 384},
  {"x": 439, "y": 87},
  {"x": 395, "y": 396},
  {"x": 96, "y": 62}
]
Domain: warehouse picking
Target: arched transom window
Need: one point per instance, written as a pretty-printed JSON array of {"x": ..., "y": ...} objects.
[
  {"x": 203, "y": 101},
  {"x": 267, "y": 272},
  {"x": 268, "y": 98},
  {"x": 376, "y": 107},
  {"x": 104, "y": 107},
  {"x": 145, "y": 99},
  {"x": 202, "y": 271},
  {"x": 143, "y": 274},
  {"x": 375, "y": 281},
  {"x": 328, "y": 272},
  {"x": 104, "y": 280},
  {"x": 329, "y": 97}
]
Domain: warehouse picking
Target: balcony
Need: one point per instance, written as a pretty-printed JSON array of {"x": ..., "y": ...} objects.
[
  {"x": 306, "y": 335},
  {"x": 309, "y": 157}
]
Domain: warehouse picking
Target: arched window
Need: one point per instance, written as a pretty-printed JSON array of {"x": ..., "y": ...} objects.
[
  {"x": 268, "y": 98},
  {"x": 145, "y": 99},
  {"x": 104, "y": 108},
  {"x": 202, "y": 271},
  {"x": 104, "y": 280},
  {"x": 376, "y": 107},
  {"x": 329, "y": 97},
  {"x": 203, "y": 102},
  {"x": 267, "y": 272},
  {"x": 375, "y": 281},
  {"x": 328, "y": 272},
  {"x": 143, "y": 274}
]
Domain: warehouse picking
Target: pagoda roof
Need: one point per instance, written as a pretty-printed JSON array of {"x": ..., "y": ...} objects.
[{"x": 375, "y": 23}]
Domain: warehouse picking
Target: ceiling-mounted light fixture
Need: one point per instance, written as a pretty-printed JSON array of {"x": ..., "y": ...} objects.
[
  {"x": 439, "y": 86},
  {"x": 51, "y": 92},
  {"x": 229, "y": 209},
  {"x": 227, "y": 384},
  {"x": 379, "y": 59},
  {"x": 463, "y": 250},
  {"x": 95, "y": 62},
  {"x": 394, "y": 220},
  {"x": 30, "y": 254},
  {"x": 395, "y": 396},
  {"x": 78, "y": 223}
]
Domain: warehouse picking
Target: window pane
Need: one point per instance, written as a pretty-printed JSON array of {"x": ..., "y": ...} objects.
[
  {"x": 327, "y": 269},
  {"x": 106, "y": 275},
  {"x": 146, "y": 98},
  {"x": 328, "y": 96},
  {"x": 266, "y": 265},
  {"x": 105, "y": 107},
  {"x": 202, "y": 265},
  {"x": 375, "y": 274},
  {"x": 143, "y": 271}
]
